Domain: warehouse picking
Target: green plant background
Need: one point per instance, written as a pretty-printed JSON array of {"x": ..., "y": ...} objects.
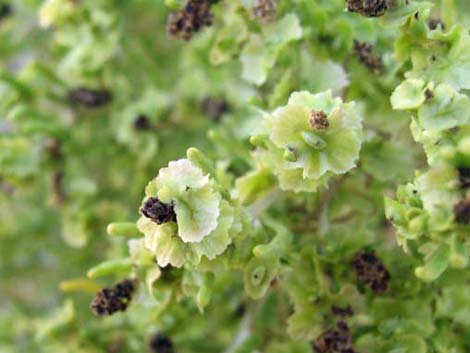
[{"x": 67, "y": 171}]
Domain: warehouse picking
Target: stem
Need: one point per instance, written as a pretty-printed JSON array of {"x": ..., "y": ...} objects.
[
  {"x": 242, "y": 334},
  {"x": 263, "y": 203},
  {"x": 322, "y": 208},
  {"x": 322, "y": 283}
]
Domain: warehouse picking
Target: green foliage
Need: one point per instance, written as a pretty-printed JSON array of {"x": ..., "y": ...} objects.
[{"x": 272, "y": 175}]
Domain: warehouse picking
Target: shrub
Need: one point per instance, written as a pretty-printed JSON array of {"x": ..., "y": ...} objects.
[{"x": 272, "y": 175}]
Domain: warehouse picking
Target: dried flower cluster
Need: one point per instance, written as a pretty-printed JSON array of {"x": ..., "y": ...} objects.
[
  {"x": 318, "y": 120},
  {"x": 366, "y": 57},
  {"x": 335, "y": 340},
  {"x": 111, "y": 300},
  {"x": 371, "y": 272},
  {"x": 190, "y": 19},
  {"x": 158, "y": 211},
  {"x": 325, "y": 209},
  {"x": 368, "y": 8}
]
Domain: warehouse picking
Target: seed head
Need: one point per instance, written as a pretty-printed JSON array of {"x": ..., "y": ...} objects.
[
  {"x": 111, "y": 300},
  {"x": 368, "y": 8},
  {"x": 158, "y": 211},
  {"x": 371, "y": 272},
  {"x": 335, "y": 340},
  {"x": 318, "y": 120},
  {"x": 364, "y": 53},
  {"x": 190, "y": 19},
  {"x": 343, "y": 312}
]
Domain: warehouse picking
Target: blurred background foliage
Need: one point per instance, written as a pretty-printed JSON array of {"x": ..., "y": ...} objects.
[{"x": 68, "y": 166}]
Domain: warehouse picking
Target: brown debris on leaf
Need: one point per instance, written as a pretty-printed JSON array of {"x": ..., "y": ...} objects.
[
  {"x": 190, "y": 19},
  {"x": 371, "y": 272},
  {"x": 111, "y": 300}
]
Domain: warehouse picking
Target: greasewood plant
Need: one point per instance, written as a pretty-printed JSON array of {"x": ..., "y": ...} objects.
[{"x": 276, "y": 176}]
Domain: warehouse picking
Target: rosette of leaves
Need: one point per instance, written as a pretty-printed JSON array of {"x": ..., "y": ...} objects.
[
  {"x": 266, "y": 264},
  {"x": 436, "y": 54},
  {"x": 86, "y": 32},
  {"x": 310, "y": 139},
  {"x": 230, "y": 37},
  {"x": 260, "y": 53},
  {"x": 197, "y": 219},
  {"x": 137, "y": 123},
  {"x": 431, "y": 219},
  {"x": 437, "y": 107}
]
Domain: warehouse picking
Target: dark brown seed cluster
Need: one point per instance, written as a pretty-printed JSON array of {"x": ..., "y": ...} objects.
[
  {"x": 342, "y": 311},
  {"x": 90, "y": 98},
  {"x": 214, "y": 108},
  {"x": 265, "y": 10},
  {"x": 368, "y": 8},
  {"x": 335, "y": 340},
  {"x": 5, "y": 11},
  {"x": 159, "y": 343},
  {"x": 158, "y": 211},
  {"x": 371, "y": 272},
  {"x": 364, "y": 53},
  {"x": 462, "y": 212},
  {"x": 190, "y": 19},
  {"x": 111, "y": 300},
  {"x": 318, "y": 120},
  {"x": 464, "y": 177},
  {"x": 142, "y": 123}
]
